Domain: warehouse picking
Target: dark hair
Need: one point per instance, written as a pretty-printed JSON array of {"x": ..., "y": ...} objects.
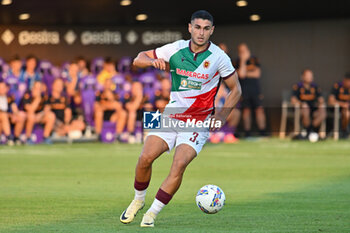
[
  {"x": 202, "y": 14},
  {"x": 347, "y": 75},
  {"x": 108, "y": 60},
  {"x": 15, "y": 58},
  {"x": 31, "y": 57}
]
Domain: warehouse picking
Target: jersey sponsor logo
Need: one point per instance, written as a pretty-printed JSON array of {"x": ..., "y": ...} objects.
[
  {"x": 191, "y": 74},
  {"x": 206, "y": 64},
  {"x": 190, "y": 84}
]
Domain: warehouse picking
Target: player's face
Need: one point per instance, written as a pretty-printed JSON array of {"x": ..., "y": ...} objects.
[
  {"x": 36, "y": 91},
  {"x": 109, "y": 67},
  {"x": 201, "y": 30},
  {"x": 73, "y": 69},
  {"x": 58, "y": 85},
  {"x": 82, "y": 64},
  {"x": 31, "y": 64},
  {"x": 16, "y": 65},
  {"x": 346, "y": 82},
  {"x": 308, "y": 76}
]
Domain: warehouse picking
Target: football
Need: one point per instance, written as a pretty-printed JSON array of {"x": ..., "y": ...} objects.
[{"x": 210, "y": 199}]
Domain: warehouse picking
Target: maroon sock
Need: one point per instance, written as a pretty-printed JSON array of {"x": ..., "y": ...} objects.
[
  {"x": 163, "y": 196},
  {"x": 140, "y": 185}
]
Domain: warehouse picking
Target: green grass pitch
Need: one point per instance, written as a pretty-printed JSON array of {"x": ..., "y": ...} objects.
[{"x": 270, "y": 186}]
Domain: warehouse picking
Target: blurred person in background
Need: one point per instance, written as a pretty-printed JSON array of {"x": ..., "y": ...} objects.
[
  {"x": 107, "y": 108},
  {"x": 30, "y": 74},
  {"x": 34, "y": 102},
  {"x": 132, "y": 102},
  {"x": 82, "y": 66},
  {"x": 163, "y": 95},
  {"x": 340, "y": 95},
  {"x": 249, "y": 72},
  {"x": 308, "y": 96},
  {"x": 59, "y": 105},
  {"x": 5, "y": 127},
  {"x": 12, "y": 79},
  {"x": 107, "y": 72},
  {"x": 72, "y": 88}
]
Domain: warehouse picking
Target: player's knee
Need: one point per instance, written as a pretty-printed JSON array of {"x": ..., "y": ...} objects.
[
  {"x": 145, "y": 159},
  {"x": 51, "y": 116},
  {"x": 179, "y": 167},
  {"x": 30, "y": 117},
  {"x": 22, "y": 116}
]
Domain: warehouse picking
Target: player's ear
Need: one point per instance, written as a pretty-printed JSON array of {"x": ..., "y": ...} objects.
[
  {"x": 212, "y": 30},
  {"x": 189, "y": 27}
]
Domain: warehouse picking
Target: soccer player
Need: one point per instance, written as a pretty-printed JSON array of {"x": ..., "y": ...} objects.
[
  {"x": 202, "y": 64},
  {"x": 340, "y": 95},
  {"x": 308, "y": 96},
  {"x": 249, "y": 72}
]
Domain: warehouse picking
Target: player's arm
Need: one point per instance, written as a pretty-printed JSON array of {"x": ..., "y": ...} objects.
[
  {"x": 242, "y": 71},
  {"x": 332, "y": 101},
  {"x": 231, "y": 99},
  {"x": 147, "y": 58}
]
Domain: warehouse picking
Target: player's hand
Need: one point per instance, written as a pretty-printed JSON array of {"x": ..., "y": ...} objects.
[
  {"x": 159, "y": 64},
  {"x": 216, "y": 119}
]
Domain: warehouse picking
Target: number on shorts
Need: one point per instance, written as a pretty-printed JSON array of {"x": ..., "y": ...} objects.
[{"x": 195, "y": 135}]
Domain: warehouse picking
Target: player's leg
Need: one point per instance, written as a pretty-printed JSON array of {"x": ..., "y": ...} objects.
[
  {"x": 305, "y": 115},
  {"x": 120, "y": 116},
  {"x": 153, "y": 147},
  {"x": 318, "y": 116},
  {"x": 345, "y": 119},
  {"x": 188, "y": 145},
  {"x": 132, "y": 113},
  {"x": 99, "y": 111},
  {"x": 18, "y": 120},
  {"x": 48, "y": 119},
  {"x": 247, "y": 121},
  {"x": 184, "y": 154},
  {"x": 29, "y": 126},
  {"x": 6, "y": 127}
]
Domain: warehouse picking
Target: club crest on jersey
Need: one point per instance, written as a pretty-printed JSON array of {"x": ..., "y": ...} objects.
[{"x": 206, "y": 64}]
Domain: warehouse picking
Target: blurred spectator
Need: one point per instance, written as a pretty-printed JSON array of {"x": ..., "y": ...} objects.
[
  {"x": 163, "y": 95},
  {"x": 30, "y": 75},
  {"x": 249, "y": 72},
  {"x": 340, "y": 95},
  {"x": 107, "y": 108},
  {"x": 59, "y": 105},
  {"x": 34, "y": 103},
  {"x": 132, "y": 101},
  {"x": 307, "y": 95},
  {"x": 107, "y": 72},
  {"x": 12, "y": 79},
  {"x": 4, "y": 118},
  {"x": 82, "y": 66}
]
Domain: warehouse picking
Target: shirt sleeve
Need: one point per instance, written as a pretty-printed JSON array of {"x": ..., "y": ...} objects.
[
  {"x": 226, "y": 68},
  {"x": 166, "y": 51}
]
